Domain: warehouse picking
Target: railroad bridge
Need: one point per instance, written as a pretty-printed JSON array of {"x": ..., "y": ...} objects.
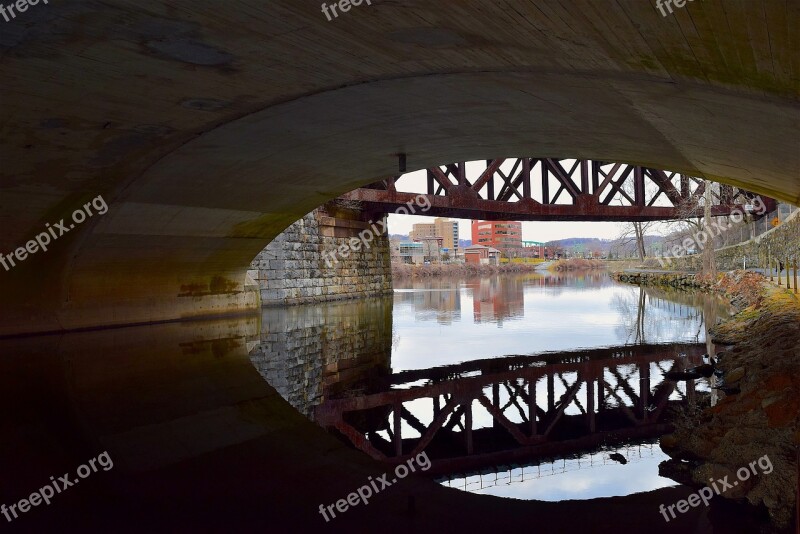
[
  {"x": 296, "y": 267},
  {"x": 535, "y": 189}
]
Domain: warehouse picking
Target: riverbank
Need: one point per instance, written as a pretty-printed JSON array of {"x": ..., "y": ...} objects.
[
  {"x": 759, "y": 419},
  {"x": 460, "y": 269},
  {"x": 742, "y": 288},
  {"x": 657, "y": 278}
]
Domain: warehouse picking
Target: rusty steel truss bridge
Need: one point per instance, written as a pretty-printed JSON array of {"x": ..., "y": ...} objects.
[{"x": 533, "y": 189}]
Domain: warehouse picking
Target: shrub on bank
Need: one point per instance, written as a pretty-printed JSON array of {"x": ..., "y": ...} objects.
[{"x": 576, "y": 264}]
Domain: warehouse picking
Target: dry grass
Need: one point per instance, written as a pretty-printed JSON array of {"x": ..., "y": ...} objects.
[
  {"x": 457, "y": 269},
  {"x": 576, "y": 264},
  {"x": 744, "y": 287}
]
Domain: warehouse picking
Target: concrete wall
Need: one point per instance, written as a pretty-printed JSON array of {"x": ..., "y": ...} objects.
[
  {"x": 782, "y": 242},
  {"x": 293, "y": 268}
]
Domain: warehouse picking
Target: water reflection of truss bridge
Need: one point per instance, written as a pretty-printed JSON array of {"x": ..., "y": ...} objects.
[
  {"x": 513, "y": 474},
  {"x": 517, "y": 409}
]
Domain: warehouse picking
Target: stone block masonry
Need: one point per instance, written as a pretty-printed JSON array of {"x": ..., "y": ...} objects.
[{"x": 292, "y": 268}]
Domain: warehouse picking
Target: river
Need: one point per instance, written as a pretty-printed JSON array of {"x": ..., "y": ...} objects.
[
  {"x": 543, "y": 387},
  {"x": 532, "y": 386}
]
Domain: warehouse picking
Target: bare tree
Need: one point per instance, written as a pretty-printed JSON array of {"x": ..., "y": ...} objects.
[
  {"x": 634, "y": 234},
  {"x": 693, "y": 227}
]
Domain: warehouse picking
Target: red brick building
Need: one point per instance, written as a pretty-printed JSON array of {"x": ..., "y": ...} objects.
[
  {"x": 505, "y": 236},
  {"x": 478, "y": 254}
]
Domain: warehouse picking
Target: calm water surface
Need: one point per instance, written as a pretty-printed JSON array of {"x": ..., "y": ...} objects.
[
  {"x": 529, "y": 386},
  {"x": 444, "y": 321}
]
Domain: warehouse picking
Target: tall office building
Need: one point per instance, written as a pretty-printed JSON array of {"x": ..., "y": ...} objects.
[
  {"x": 505, "y": 236},
  {"x": 440, "y": 227}
]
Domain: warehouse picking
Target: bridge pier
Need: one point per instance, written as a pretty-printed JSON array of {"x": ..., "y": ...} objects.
[{"x": 306, "y": 263}]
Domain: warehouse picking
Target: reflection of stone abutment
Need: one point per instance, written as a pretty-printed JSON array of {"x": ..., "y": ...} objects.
[
  {"x": 321, "y": 257},
  {"x": 309, "y": 352}
]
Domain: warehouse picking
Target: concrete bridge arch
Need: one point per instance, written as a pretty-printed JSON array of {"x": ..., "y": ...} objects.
[{"x": 207, "y": 143}]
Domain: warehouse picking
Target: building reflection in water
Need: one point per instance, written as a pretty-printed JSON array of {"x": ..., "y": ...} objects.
[
  {"x": 494, "y": 298},
  {"x": 434, "y": 299},
  {"x": 497, "y": 298},
  {"x": 539, "y": 312}
]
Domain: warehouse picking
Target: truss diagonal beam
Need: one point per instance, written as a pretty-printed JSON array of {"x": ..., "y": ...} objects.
[{"x": 622, "y": 192}]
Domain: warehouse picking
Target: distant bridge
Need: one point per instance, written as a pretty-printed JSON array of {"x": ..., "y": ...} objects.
[
  {"x": 532, "y": 189},
  {"x": 612, "y": 411}
]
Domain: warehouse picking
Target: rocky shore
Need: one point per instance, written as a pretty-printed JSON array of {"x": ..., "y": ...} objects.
[
  {"x": 655, "y": 278},
  {"x": 761, "y": 415}
]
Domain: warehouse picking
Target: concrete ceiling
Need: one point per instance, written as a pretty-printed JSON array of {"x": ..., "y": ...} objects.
[{"x": 208, "y": 127}]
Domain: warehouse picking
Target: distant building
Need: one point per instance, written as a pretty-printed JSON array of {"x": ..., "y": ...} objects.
[
  {"x": 421, "y": 230},
  {"x": 394, "y": 248},
  {"x": 431, "y": 248},
  {"x": 440, "y": 227},
  {"x": 448, "y": 230},
  {"x": 411, "y": 252},
  {"x": 479, "y": 254},
  {"x": 505, "y": 236},
  {"x": 534, "y": 249}
]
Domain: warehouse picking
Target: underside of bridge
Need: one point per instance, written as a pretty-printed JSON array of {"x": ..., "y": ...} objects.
[{"x": 209, "y": 127}]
